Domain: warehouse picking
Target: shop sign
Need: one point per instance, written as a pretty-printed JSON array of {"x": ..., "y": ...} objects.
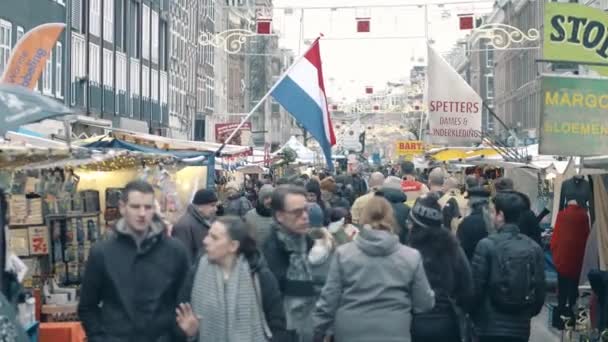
[
  {"x": 223, "y": 131},
  {"x": 576, "y": 33},
  {"x": 454, "y": 111},
  {"x": 410, "y": 147},
  {"x": 573, "y": 116}
]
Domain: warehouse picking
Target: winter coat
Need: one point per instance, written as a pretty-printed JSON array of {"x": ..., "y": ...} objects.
[
  {"x": 374, "y": 285},
  {"x": 278, "y": 261},
  {"x": 260, "y": 219},
  {"x": 447, "y": 269},
  {"x": 272, "y": 303},
  {"x": 191, "y": 229},
  {"x": 569, "y": 239},
  {"x": 529, "y": 226},
  {"x": 471, "y": 230},
  {"x": 237, "y": 205},
  {"x": 400, "y": 210},
  {"x": 138, "y": 287},
  {"x": 338, "y": 200},
  {"x": 488, "y": 320},
  {"x": 360, "y": 203}
]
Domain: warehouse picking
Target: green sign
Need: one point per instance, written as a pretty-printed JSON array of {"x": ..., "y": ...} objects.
[
  {"x": 576, "y": 33},
  {"x": 574, "y": 116}
]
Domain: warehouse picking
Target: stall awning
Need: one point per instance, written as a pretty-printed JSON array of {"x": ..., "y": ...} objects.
[
  {"x": 169, "y": 144},
  {"x": 114, "y": 143}
]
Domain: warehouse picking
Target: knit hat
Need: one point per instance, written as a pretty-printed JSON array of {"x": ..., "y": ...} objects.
[
  {"x": 265, "y": 192},
  {"x": 478, "y": 191},
  {"x": 426, "y": 212},
  {"x": 328, "y": 184},
  {"x": 503, "y": 184},
  {"x": 408, "y": 168},
  {"x": 315, "y": 215},
  {"x": 392, "y": 182},
  {"x": 204, "y": 196}
]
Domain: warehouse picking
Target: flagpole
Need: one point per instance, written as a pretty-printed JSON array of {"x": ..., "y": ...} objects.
[{"x": 261, "y": 101}]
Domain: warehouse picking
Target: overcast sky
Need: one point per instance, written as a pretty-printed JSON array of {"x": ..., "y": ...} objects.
[{"x": 351, "y": 64}]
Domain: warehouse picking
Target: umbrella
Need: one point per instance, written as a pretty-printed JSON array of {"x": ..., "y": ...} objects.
[{"x": 21, "y": 106}]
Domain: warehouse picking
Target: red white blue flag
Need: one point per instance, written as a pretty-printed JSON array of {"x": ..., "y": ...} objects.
[{"x": 302, "y": 93}]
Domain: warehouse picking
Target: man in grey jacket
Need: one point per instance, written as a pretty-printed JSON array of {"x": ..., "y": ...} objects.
[{"x": 193, "y": 226}]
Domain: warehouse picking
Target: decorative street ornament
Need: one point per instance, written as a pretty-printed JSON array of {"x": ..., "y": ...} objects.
[
  {"x": 232, "y": 41},
  {"x": 466, "y": 21},
  {"x": 369, "y": 90},
  {"x": 363, "y": 25},
  {"x": 502, "y": 36}
]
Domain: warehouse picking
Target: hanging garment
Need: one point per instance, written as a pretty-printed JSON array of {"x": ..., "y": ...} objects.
[{"x": 569, "y": 239}]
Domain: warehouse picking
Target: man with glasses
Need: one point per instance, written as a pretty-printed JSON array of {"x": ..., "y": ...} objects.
[{"x": 286, "y": 251}]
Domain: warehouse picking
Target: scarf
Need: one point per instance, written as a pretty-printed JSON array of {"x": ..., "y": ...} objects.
[
  {"x": 229, "y": 309},
  {"x": 262, "y": 210}
]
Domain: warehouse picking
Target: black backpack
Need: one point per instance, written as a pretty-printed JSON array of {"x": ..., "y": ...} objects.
[{"x": 513, "y": 276}]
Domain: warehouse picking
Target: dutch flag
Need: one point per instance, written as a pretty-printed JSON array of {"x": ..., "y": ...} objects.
[{"x": 302, "y": 93}]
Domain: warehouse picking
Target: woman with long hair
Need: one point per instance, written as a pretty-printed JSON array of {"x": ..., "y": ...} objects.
[
  {"x": 447, "y": 269},
  {"x": 478, "y": 224},
  {"x": 232, "y": 296},
  {"x": 374, "y": 284}
]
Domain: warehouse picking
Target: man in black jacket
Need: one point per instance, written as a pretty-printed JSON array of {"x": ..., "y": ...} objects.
[
  {"x": 286, "y": 251},
  {"x": 508, "y": 272},
  {"x": 131, "y": 285},
  {"x": 193, "y": 226}
]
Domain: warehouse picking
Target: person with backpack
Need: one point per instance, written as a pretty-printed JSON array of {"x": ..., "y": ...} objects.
[{"x": 508, "y": 273}]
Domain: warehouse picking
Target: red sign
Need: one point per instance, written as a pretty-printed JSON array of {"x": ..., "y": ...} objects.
[
  {"x": 223, "y": 131},
  {"x": 466, "y": 22},
  {"x": 264, "y": 26},
  {"x": 363, "y": 25},
  {"x": 369, "y": 90}
]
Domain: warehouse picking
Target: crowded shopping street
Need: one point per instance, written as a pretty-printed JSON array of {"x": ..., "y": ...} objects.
[{"x": 303, "y": 171}]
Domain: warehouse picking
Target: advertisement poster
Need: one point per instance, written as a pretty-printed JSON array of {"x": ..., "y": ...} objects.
[
  {"x": 242, "y": 137},
  {"x": 454, "y": 111},
  {"x": 573, "y": 116},
  {"x": 576, "y": 33},
  {"x": 409, "y": 148}
]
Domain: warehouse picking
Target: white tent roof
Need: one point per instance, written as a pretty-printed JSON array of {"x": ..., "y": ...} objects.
[{"x": 305, "y": 155}]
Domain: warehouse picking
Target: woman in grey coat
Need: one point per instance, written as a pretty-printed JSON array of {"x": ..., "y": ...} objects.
[{"x": 374, "y": 284}]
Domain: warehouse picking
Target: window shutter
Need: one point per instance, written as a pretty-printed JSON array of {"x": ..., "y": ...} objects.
[{"x": 77, "y": 15}]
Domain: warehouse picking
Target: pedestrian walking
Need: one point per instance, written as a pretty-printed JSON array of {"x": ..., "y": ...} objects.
[
  {"x": 260, "y": 217},
  {"x": 375, "y": 182},
  {"x": 231, "y": 295},
  {"x": 509, "y": 276},
  {"x": 286, "y": 249},
  {"x": 131, "y": 284},
  {"x": 191, "y": 229},
  {"x": 528, "y": 222},
  {"x": 236, "y": 202},
  {"x": 478, "y": 224},
  {"x": 313, "y": 195},
  {"x": 333, "y": 194},
  {"x": 437, "y": 181},
  {"x": 409, "y": 184},
  {"x": 374, "y": 284},
  {"x": 447, "y": 270},
  {"x": 391, "y": 190}
]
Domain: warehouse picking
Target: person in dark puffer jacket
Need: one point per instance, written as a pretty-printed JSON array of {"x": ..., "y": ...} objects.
[
  {"x": 391, "y": 190},
  {"x": 447, "y": 269}
]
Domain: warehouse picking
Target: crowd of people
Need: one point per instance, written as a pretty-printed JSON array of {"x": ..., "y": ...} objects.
[{"x": 321, "y": 258}]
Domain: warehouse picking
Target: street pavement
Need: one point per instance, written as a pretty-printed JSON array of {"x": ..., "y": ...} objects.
[{"x": 541, "y": 331}]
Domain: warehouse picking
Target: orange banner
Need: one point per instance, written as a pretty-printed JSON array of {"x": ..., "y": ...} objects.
[{"x": 29, "y": 56}]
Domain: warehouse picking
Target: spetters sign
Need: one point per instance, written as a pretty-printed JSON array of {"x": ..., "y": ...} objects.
[
  {"x": 576, "y": 33},
  {"x": 409, "y": 148},
  {"x": 573, "y": 116},
  {"x": 454, "y": 107}
]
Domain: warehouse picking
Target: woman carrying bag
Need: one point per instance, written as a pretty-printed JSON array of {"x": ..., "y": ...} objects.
[{"x": 232, "y": 295}]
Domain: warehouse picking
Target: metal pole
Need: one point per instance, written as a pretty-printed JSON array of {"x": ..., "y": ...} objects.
[
  {"x": 426, "y": 40},
  {"x": 102, "y": 85},
  {"x": 255, "y": 108}
]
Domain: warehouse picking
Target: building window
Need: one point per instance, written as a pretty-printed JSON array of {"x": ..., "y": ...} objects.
[
  {"x": 489, "y": 86},
  {"x": 108, "y": 68},
  {"x": 95, "y": 13},
  {"x": 209, "y": 93},
  {"x": 145, "y": 74},
  {"x": 135, "y": 22},
  {"x": 59, "y": 70},
  {"x": 155, "y": 40},
  {"x": 134, "y": 77},
  {"x": 489, "y": 57},
  {"x": 5, "y": 43},
  {"x": 94, "y": 63},
  {"x": 47, "y": 76},
  {"x": 20, "y": 32},
  {"x": 145, "y": 29},
  {"x": 121, "y": 72},
  {"x": 77, "y": 56},
  {"x": 212, "y": 10},
  {"x": 154, "y": 85},
  {"x": 163, "y": 87},
  {"x": 108, "y": 20}
]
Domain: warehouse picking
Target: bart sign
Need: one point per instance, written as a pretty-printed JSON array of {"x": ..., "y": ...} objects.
[
  {"x": 573, "y": 116},
  {"x": 409, "y": 147},
  {"x": 576, "y": 33}
]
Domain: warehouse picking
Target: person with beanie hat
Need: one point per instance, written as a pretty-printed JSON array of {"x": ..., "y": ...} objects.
[
  {"x": 478, "y": 223},
  {"x": 313, "y": 195},
  {"x": 447, "y": 270},
  {"x": 391, "y": 190},
  {"x": 322, "y": 249},
  {"x": 192, "y": 228},
  {"x": 260, "y": 217}
]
